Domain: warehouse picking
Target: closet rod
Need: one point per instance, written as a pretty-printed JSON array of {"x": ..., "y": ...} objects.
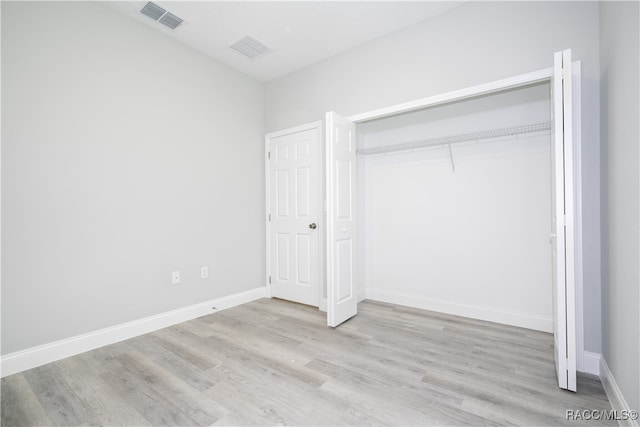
[{"x": 474, "y": 136}]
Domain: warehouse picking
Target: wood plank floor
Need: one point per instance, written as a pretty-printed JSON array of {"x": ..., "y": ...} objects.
[{"x": 272, "y": 362}]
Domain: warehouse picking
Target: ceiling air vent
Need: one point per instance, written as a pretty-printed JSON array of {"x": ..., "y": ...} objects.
[
  {"x": 249, "y": 47},
  {"x": 152, "y": 10},
  {"x": 170, "y": 20},
  {"x": 161, "y": 15}
]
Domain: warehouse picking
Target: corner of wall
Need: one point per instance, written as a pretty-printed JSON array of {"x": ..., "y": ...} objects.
[{"x": 628, "y": 416}]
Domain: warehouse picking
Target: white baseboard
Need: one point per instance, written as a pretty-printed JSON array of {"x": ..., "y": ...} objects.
[
  {"x": 36, "y": 356},
  {"x": 590, "y": 363},
  {"x": 474, "y": 312},
  {"x": 618, "y": 402}
]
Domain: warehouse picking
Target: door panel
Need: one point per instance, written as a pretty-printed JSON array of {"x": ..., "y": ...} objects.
[
  {"x": 294, "y": 260},
  {"x": 303, "y": 178},
  {"x": 344, "y": 189},
  {"x": 344, "y": 257},
  {"x": 282, "y": 257},
  {"x": 342, "y": 301},
  {"x": 303, "y": 269},
  {"x": 282, "y": 194},
  {"x": 562, "y": 233}
]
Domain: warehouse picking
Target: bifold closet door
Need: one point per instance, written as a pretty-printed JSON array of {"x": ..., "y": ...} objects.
[
  {"x": 562, "y": 234},
  {"x": 342, "y": 302}
]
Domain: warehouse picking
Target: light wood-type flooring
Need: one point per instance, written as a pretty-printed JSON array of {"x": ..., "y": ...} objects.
[{"x": 275, "y": 362}]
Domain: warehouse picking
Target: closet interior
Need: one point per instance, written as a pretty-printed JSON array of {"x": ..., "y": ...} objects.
[{"x": 454, "y": 208}]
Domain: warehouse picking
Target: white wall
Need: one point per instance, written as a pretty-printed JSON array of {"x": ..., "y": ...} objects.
[
  {"x": 472, "y": 44},
  {"x": 125, "y": 155},
  {"x": 620, "y": 86},
  {"x": 474, "y": 241}
]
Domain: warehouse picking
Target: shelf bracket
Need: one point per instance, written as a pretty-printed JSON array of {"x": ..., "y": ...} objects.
[{"x": 453, "y": 165}]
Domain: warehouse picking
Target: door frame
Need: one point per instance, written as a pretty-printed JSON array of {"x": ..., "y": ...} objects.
[
  {"x": 521, "y": 80},
  {"x": 318, "y": 126}
]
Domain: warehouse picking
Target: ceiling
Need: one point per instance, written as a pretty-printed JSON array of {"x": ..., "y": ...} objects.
[{"x": 299, "y": 33}]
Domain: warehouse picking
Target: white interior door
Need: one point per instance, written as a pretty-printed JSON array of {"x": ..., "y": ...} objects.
[
  {"x": 562, "y": 234},
  {"x": 342, "y": 300},
  {"x": 293, "y": 215}
]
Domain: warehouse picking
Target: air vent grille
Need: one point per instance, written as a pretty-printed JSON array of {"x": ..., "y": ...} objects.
[
  {"x": 153, "y": 11},
  {"x": 161, "y": 15},
  {"x": 170, "y": 20},
  {"x": 250, "y": 47}
]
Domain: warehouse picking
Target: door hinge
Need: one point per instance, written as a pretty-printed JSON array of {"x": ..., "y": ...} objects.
[
  {"x": 564, "y": 364},
  {"x": 269, "y": 217},
  {"x": 562, "y": 220},
  {"x": 269, "y": 155},
  {"x": 269, "y": 279}
]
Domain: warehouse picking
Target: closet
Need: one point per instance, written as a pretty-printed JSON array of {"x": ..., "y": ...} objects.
[
  {"x": 456, "y": 203},
  {"x": 460, "y": 203}
]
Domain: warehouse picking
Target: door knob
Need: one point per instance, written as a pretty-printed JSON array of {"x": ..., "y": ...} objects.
[{"x": 313, "y": 226}]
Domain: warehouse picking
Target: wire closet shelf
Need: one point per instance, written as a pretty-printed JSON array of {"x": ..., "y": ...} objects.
[{"x": 467, "y": 137}]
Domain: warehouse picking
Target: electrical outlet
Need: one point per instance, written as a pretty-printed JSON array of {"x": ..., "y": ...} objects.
[
  {"x": 204, "y": 272},
  {"x": 175, "y": 277}
]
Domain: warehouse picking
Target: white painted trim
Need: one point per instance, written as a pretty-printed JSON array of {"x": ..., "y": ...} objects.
[
  {"x": 570, "y": 219},
  {"x": 36, "y": 356},
  {"x": 576, "y": 69},
  {"x": 522, "y": 320},
  {"x": 318, "y": 126},
  {"x": 322, "y": 220},
  {"x": 616, "y": 398},
  {"x": 296, "y": 129},
  {"x": 457, "y": 95},
  {"x": 590, "y": 363},
  {"x": 267, "y": 207}
]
